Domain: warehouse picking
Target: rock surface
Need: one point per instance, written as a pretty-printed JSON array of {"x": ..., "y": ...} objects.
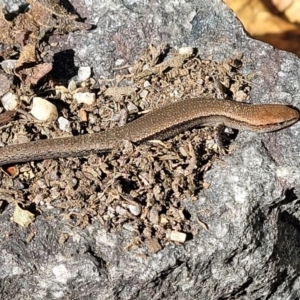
[{"x": 251, "y": 250}]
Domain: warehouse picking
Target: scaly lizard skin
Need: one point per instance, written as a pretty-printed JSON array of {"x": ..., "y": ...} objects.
[{"x": 160, "y": 123}]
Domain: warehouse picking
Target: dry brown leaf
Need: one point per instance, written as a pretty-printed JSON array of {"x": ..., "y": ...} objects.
[
  {"x": 27, "y": 55},
  {"x": 31, "y": 75},
  {"x": 282, "y": 5},
  {"x": 292, "y": 12},
  {"x": 257, "y": 19},
  {"x": 264, "y": 21},
  {"x": 28, "y": 69},
  {"x": 153, "y": 245},
  {"x": 6, "y": 117}
]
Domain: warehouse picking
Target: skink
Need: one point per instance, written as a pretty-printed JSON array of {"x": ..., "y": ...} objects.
[{"x": 160, "y": 123}]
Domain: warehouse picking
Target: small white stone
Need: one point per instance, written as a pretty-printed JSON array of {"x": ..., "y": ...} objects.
[
  {"x": 63, "y": 124},
  {"x": 163, "y": 219},
  {"x": 144, "y": 93},
  {"x": 134, "y": 209},
  {"x": 132, "y": 108},
  {"x": 129, "y": 227},
  {"x": 146, "y": 83},
  {"x": 130, "y": 69},
  {"x": 119, "y": 62},
  {"x": 9, "y": 101},
  {"x": 74, "y": 181},
  {"x": 72, "y": 86},
  {"x": 186, "y": 51},
  {"x": 120, "y": 210},
  {"x": 9, "y": 65},
  {"x": 175, "y": 93},
  {"x": 43, "y": 110},
  {"x": 84, "y": 73},
  {"x": 87, "y": 98},
  {"x": 146, "y": 67},
  {"x": 178, "y": 236}
]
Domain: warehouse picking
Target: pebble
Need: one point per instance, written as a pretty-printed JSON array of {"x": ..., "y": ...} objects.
[
  {"x": 134, "y": 209},
  {"x": 63, "y": 124},
  {"x": 146, "y": 84},
  {"x": 144, "y": 93},
  {"x": 72, "y": 86},
  {"x": 186, "y": 51},
  {"x": 121, "y": 211},
  {"x": 10, "y": 101},
  {"x": 87, "y": 98},
  {"x": 84, "y": 73},
  {"x": 43, "y": 110},
  {"x": 177, "y": 236}
]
